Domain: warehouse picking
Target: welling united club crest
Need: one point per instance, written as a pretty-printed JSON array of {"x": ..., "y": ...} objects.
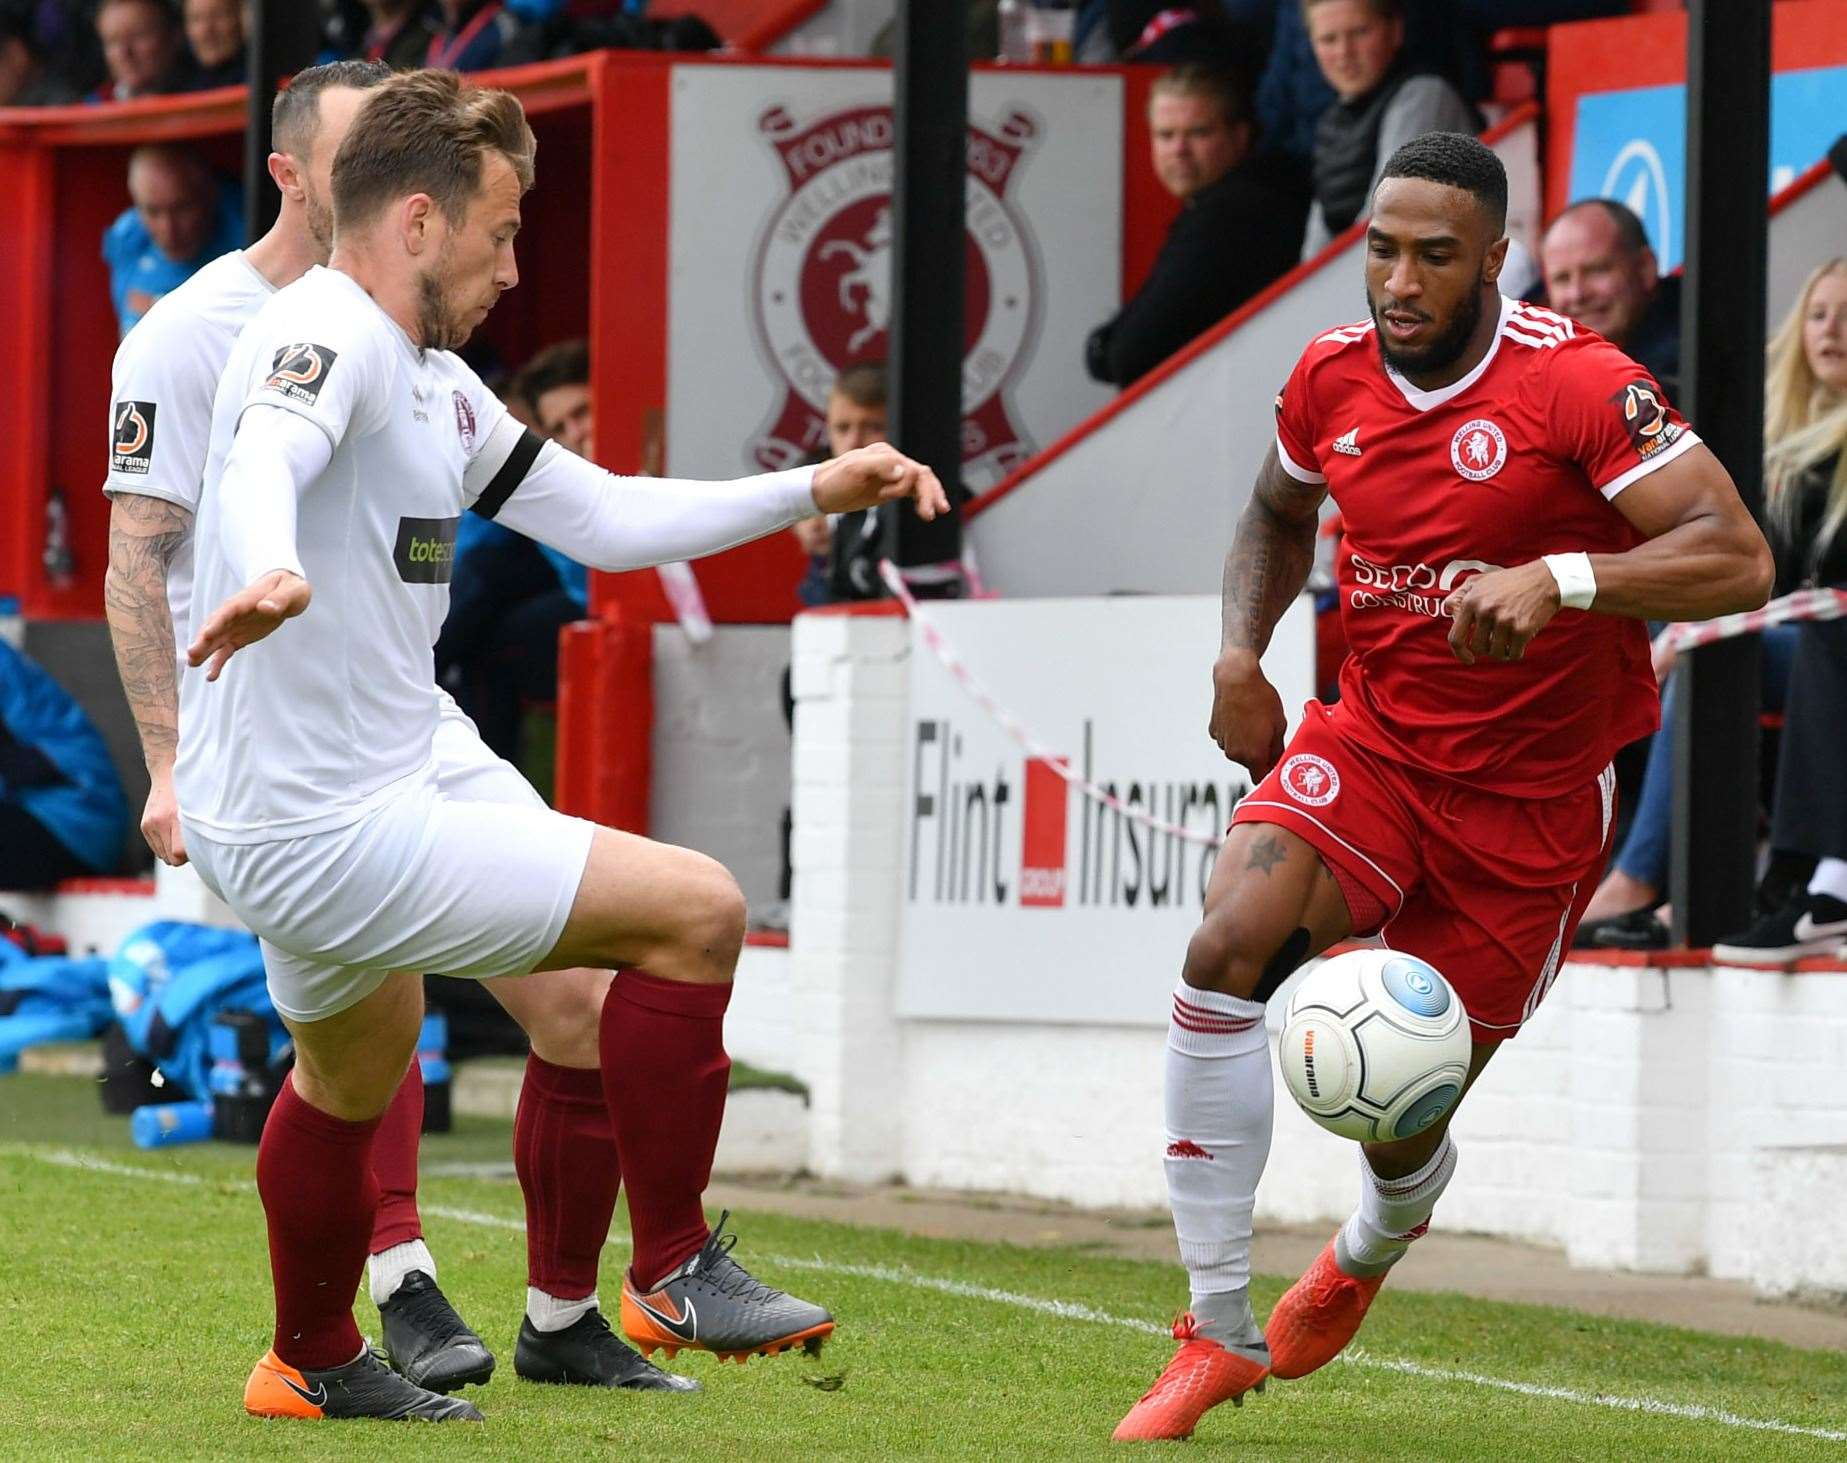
[
  {"x": 1478, "y": 450},
  {"x": 822, "y": 280}
]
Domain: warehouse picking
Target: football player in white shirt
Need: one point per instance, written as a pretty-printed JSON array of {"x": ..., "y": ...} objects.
[
  {"x": 166, "y": 372},
  {"x": 346, "y": 442}
]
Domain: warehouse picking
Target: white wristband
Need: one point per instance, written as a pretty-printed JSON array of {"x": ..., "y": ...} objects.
[{"x": 1577, "y": 585}]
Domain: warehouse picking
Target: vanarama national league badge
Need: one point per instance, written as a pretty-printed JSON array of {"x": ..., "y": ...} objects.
[{"x": 821, "y": 281}]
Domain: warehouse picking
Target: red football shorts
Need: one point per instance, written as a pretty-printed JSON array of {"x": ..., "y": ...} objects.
[{"x": 1489, "y": 889}]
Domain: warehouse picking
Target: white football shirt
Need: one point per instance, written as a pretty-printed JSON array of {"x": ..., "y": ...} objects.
[
  {"x": 305, "y": 729},
  {"x": 160, "y": 413}
]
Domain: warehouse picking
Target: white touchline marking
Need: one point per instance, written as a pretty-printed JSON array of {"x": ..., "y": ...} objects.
[{"x": 1063, "y": 1309}]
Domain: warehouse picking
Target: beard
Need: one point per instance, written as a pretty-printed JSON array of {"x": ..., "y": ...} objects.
[
  {"x": 437, "y": 326},
  {"x": 320, "y": 222},
  {"x": 1442, "y": 351}
]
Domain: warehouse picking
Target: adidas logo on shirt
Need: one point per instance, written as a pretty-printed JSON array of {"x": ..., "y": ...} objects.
[{"x": 1348, "y": 442}]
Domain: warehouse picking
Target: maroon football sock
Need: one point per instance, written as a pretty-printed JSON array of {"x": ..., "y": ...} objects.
[
  {"x": 664, "y": 1076},
  {"x": 565, "y": 1155},
  {"x": 314, "y": 1173},
  {"x": 394, "y": 1165}
]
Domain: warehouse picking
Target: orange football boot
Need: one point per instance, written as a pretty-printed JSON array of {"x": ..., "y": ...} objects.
[
  {"x": 1318, "y": 1316},
  {"x": 364, "y": 1387},
  {"x": 1202, "y": 1374}
]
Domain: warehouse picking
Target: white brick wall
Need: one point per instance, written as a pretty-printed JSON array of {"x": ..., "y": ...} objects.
[{"x": 1665, "y": 1120}]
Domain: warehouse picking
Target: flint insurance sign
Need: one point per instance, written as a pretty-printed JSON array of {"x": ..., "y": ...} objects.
[
  {"x": 782, "y": 182},
  {"x": 1023, "y": 899}
]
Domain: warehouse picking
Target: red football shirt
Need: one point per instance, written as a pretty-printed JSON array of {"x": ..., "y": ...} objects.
[{"x": 1521, "y": 457}]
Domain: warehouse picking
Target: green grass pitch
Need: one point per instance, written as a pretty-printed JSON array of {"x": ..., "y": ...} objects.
[{"x": 134, "y": 1298}]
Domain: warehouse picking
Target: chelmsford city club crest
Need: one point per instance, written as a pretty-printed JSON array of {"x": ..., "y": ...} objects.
[{"x": 822, "y": 281}]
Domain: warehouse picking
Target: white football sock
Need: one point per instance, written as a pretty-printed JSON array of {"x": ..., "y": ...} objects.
[
  {"x": 386, "y": 1270},
  {"x": 1830, "y": 878},
  {"x": 1219, "y": 1098},
  {"x": 548, "y": 1313},
  {"x": 1392, "y": 1213}
]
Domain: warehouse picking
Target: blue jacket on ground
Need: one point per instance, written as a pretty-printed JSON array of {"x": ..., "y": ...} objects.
[{"x": 79, "y": 798}]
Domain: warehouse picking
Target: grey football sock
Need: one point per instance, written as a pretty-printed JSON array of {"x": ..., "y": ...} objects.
[{"x": 1225, "y": 1316}]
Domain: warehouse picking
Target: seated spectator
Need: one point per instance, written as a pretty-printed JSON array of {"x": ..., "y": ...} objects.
[
  {"x": 1805, "y": 508},
  {"x": 143, "y": 47},
  {"x": 401, "y": 33},
  {"x": 1239, "y": 225},
  {"x": 498, "y": 650},
  {"x": 1382, "y": 99},
  {"x": 62, "y": 813},
  {"x": 25, "y": 78},
  {"x": 470, "y": 34},
  {"x": 182, "y": 218},
  {"x": 215, "y": 36},
  {"x": 1599, "y": 271}
]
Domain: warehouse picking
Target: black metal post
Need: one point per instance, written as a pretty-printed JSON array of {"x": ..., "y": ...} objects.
[
  {"x": 1722, "y": 375},
  {"x": 284, "y": 36},
  {"x": 929, "y": 183}
]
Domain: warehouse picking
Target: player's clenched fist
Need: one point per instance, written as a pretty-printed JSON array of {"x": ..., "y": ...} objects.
[
  {"x": 1495, "y": 614},
  {"x": 868, "y": 476},
  {"x": 1247, "y": 714},
  {"x": 247, "y": 616}
]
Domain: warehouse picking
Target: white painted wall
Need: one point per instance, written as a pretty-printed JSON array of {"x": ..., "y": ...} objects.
[
  {"x": 1647, "y": 1119},
  {"x": 721, "y": 749}
]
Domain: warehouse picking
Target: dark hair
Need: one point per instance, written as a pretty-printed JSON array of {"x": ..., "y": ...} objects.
[
  {"x": 1455, "y": 160},
  {"x": 423, "y": 132},
  {"x": 864, "y": 384},
  {"x": 565, "y": 364},
  {"x": 1629, "y": 231},
  {"x": 296, "y": 111},
  {"x": 1194, "y": 78},
  {"x": 169, "y": 16}
]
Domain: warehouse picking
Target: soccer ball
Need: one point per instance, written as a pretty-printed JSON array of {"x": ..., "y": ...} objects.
[{"x": 1375, "y": 1045}]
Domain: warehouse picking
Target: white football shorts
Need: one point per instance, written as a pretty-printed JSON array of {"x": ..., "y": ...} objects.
[{"x": 459, "y": 870}]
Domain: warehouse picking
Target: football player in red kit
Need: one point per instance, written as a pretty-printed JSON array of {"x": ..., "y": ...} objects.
[{"x": 1518, "y": 498}]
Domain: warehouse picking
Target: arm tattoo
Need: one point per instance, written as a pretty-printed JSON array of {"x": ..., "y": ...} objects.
[
  {"x": 144, "y": 534},
  {"x": 1270, "y": 556},
  {"x": 1266, "y": 853}
]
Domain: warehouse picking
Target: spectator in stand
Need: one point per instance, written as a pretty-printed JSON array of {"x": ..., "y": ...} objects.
[
  {"x": 498, "y": 650},
  {"x": 1599, "y": 271},
  {"x": 62, "y": 813},
  {"x": 843, "y": 550},
  {"x": 1239, "y": 225},
  {"x": 25, "y": 79},
  {"x": 1805, "y": 509},
  {"x": 215, "y": 36},
  {"x": 143, "y": 47},
  {"x": 470, "y": 34},
  {"x": 401, "y": 33},
  {"x": 557, "y": 383},
  {"x": 181, "y": 219},
  {"x": 1804, "y": 667},
  {"x": 1382, "y": 99}
]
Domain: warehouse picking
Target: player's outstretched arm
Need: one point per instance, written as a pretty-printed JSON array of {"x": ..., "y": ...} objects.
[
  {"x": 144, "y": 534},
  {"x": 1268, "y": 563},
  {"x": 275, "y": 454},
  {"x": 1703, "y": 556},
  {"x": 617, "y": 523}
]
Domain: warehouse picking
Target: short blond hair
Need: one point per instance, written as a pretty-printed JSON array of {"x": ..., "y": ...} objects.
[{"x": 425, "y": 132}]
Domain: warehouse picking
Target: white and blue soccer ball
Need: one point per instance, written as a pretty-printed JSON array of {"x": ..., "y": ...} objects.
[{"x": 1375, "y": 1045}]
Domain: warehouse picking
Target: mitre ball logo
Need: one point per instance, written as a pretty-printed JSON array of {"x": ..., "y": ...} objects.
[{"x": 821, "y": 281}]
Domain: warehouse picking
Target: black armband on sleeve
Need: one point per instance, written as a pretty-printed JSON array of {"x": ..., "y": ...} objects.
[{"x": 512, "y": 473}]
